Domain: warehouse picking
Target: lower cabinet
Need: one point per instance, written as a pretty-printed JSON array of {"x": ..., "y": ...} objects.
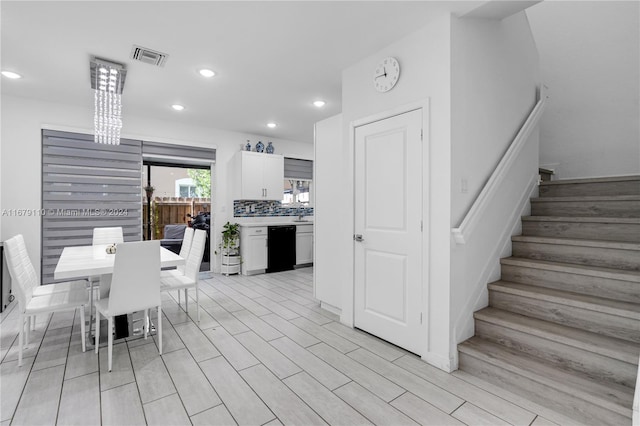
[
  {"x": 304, "y": 244},
  {"x": 253, "y": 248}
]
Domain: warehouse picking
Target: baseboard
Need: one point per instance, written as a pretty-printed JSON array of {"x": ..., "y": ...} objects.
[
  {"x": 439, "y": 361},
  {"x": 331, "y": 308}
]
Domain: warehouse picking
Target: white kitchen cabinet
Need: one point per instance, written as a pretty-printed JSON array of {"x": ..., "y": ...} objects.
[
  {"x": 253, "y": 249},
  {"x": 304, "y": 244},
  {"x": 258, "y": 176}
]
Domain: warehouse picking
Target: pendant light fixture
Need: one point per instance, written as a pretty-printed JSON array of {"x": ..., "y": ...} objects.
[{"x": 107, "y": 80}]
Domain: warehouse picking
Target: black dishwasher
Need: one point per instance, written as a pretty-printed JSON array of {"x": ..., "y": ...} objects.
[{"x": 282, "y": 248}]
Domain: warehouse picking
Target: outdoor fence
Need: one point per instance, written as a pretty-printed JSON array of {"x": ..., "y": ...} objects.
[{"x": 171, "y": 211}]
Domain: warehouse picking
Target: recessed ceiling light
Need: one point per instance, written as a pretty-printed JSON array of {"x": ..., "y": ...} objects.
[
  {"x": 10, "y": 74},
  {"x": 272, "y": 125},
  {"x": 177, "y": 107},
  {"x": 206, "y": 73},
  {"x": 319, "y": 103}
]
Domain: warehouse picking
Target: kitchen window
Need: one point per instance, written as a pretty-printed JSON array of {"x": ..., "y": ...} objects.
[
  {"x": 298, "y": 182},
  {"x": 297, "y": 191}
]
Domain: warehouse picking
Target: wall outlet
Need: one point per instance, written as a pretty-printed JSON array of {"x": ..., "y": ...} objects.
[{"x": 464, "y": 185}]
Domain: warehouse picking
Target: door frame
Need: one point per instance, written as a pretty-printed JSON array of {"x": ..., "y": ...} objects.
[{"x": 347, "y": 315}]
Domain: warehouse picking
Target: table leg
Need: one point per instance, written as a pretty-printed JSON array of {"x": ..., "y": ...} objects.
[{"x": 89, "y": 335}]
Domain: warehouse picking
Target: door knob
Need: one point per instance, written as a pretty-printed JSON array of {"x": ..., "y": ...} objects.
[{"x": 358, "y": 238}]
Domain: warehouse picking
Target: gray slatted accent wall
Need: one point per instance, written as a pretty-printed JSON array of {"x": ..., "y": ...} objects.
[
  {"x": 86, "y": 185},
  {"x": 295, "y": 168}
]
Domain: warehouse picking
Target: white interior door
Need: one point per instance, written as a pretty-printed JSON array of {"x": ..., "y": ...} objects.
[{"x": 388, "y": 230}]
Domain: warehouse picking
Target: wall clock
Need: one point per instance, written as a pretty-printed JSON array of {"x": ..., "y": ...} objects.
[{"x": 386, "y": 74}]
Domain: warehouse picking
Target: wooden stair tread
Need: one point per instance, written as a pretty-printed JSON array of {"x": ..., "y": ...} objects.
[
  {"x": 592, "y": 180},
  {"x": 583, "y": 219},
  {"x": 616, "y": 398},
  {"x": 577, "y": 242},
  {"x": 611, "y": 347},
  {"x": 572, "y": 268},
  {"x": 583, "y": 301},
  {"x": 587, "y": 198}
]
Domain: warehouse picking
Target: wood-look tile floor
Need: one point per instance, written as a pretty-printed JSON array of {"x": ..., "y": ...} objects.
[{"x": 264, "y": 352}]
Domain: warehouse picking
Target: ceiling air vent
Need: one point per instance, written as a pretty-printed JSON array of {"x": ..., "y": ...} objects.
[{"x": 148, "y": 56}]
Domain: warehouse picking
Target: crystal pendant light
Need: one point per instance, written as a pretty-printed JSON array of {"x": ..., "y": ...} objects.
[{"x": 107, "y": 79}]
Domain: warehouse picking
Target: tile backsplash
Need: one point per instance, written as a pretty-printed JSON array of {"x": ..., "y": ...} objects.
[{"x": 258, "y": 208}]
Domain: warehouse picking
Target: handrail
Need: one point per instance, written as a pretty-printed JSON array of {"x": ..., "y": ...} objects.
[{"x": 462, "y": 232}]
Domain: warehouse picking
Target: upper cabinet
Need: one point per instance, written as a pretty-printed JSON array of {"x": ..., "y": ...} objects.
[{"x": 257, "y": 176}]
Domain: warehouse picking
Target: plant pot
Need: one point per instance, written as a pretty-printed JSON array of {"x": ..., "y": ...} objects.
[{"x": 230, "y": 264}]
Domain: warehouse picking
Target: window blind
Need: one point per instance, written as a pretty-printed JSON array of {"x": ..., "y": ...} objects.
[
  {"x": 295, "y": 168},
  {"x": 177, "y": 154},
  {"x": 86, "y": 185}
]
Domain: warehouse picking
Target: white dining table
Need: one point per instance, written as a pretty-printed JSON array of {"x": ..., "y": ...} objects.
[{"x": 89, "y": 261}]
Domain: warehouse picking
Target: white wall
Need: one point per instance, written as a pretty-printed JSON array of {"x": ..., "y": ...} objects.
[
  {"x": 23, "y": 119},
  {"x": 425, "y": 75},
  {"x": 494, "y": 75},
  {"x": 590, "y": 61},
  {"x": 327, "y": 230}
]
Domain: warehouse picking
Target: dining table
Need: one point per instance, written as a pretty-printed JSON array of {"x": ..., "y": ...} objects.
[{"x": 79, "y": 262}]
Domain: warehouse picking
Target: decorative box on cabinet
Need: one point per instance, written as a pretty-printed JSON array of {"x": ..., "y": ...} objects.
[{"x": 257, "y": 176}]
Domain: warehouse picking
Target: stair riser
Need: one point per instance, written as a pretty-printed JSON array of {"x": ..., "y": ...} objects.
[
  {"x": 629, "y": 187},
  {"x": 593, "y": 256},
  {"x": 542, "y": 394},
  {"x": 624, "y": 232},
  {"x": 624, "y": 291},
  {"x": 621, "y": 208},
  {"x": 565, "y": 357},
  {"x": 571, "y": 316}
]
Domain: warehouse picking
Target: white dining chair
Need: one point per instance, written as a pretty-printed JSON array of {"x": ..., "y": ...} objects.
[
  {"x": 112, "y": 235},
  {"x": 135, "y": 287},
  {"x": 101, "y": 236},
  {"x": 189, "y": 279},
  {"x": 187, "y": 240},
  {"x": 36, "y": 299}
]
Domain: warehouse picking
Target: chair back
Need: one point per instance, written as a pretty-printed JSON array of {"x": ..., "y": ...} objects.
[
  {"x": 107, "y": 236},
  {"x": 135, "y": 284},
  {"x": 192, "y": 267},
  {"x": 23, "y": 274},
  {"x": 186, "y": 242}
]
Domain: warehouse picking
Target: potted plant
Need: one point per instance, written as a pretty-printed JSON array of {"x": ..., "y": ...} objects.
[{"x": 229, "y": 248}]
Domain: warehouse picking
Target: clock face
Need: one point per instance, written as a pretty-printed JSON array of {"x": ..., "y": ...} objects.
[{"x": 386, "y": 74}]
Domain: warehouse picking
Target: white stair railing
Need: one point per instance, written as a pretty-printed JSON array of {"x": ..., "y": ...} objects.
[{"x": 473, "y": 216}]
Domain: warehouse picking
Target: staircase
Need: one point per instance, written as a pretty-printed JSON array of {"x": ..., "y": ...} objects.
[{"x": 563, "y": 324}]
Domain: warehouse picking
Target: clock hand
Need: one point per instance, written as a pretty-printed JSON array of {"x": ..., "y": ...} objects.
[{"x": 382, "y": 75}]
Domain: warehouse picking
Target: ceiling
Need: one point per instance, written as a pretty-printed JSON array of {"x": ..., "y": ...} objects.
[{"x": 272, "y": 59}]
